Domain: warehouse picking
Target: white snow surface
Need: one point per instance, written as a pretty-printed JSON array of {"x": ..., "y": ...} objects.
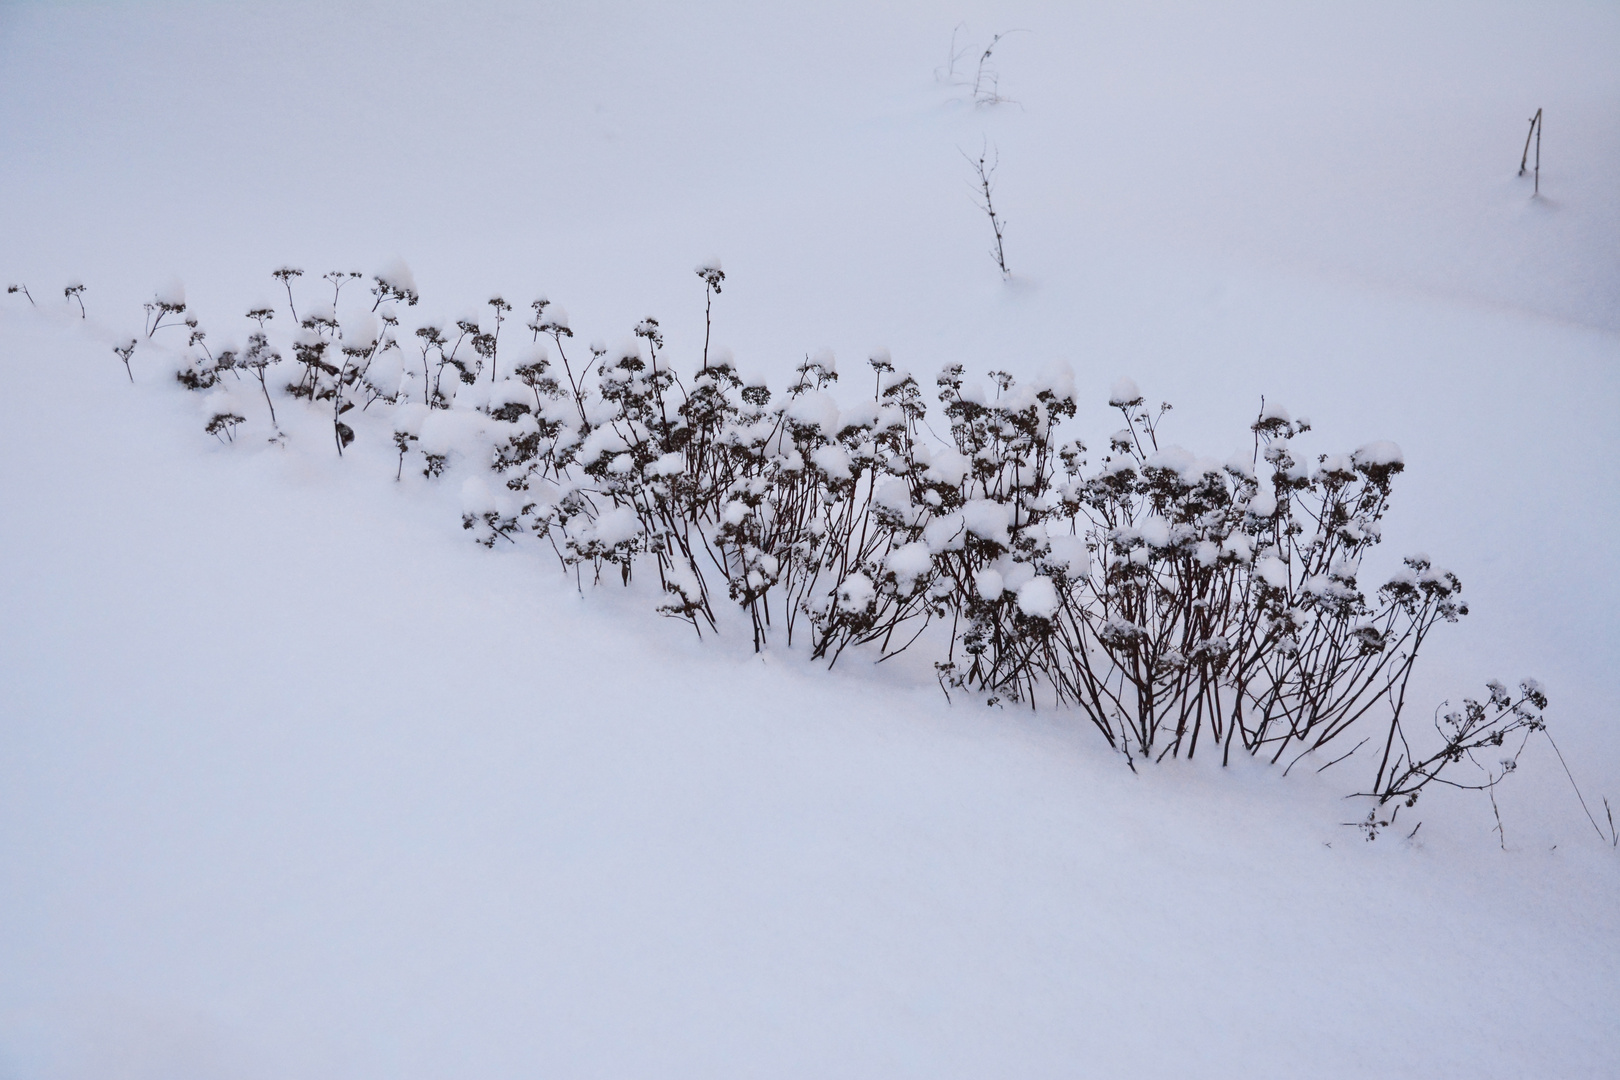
[{"x": 297, "y": 782}]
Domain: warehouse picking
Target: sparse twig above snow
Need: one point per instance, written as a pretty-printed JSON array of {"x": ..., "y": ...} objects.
[
  {"x": 984, "y": 169},
  {"x": 1524, "y": 159}
]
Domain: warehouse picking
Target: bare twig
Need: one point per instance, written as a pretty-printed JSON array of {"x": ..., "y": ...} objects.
[
  {"x": 1524, "y": 159},
  {"x": 984, "y": 74},
  {"x": 1537, "y": 191},
  {"x": 1578, "y": 794},
  {"x": 985, "y": 169},
  {"x": 955, "y": 54}
]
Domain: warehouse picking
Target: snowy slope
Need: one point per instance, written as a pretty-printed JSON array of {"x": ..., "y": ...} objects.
[{"x": 296, "y": 781}]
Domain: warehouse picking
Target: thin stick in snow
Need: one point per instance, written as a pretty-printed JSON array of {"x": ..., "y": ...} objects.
[
  {"x": 991, "y": 94},
  {"x": 985, "y": 169},
  {"x": 1524, "y": 159}
]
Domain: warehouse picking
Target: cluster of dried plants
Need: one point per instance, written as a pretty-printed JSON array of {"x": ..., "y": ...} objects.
[{"x": 1177, "y": 604}]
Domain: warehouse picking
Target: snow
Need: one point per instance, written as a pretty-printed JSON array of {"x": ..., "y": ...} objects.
[
  {"x": 989, "y": 583},
  {"x": 477, "y": 494},
  {"x": 1124, "y": 392},
  {"x": 948, "y": 467},
  {"x": 1014, "y": 574},
  {"x": 386, "y": 371},
  {"x": 1155, "y": 532},
  {"x": 398, "y": 275},
  {"x": 476, "y": 395},
  {"x": 296, "y": 781},
  {"x": 1381, "y": 453},
  {"x": 1239, "y": 546},
  {"x": 601, "y": 442},
  {"x": 1038, "y": 597},
  {"x": 172, "y": 293},
  {"x": 859, "y": 414},
  {"x": 671, "y": 464},
  {"x": 909, "y": 562},
  {"x": 617, "y": 526},
  {"x": 815, "y": 409},
  {"x": 1263, "y": 504},
  {"x": 1341, "y": 465},
  {"x": 359, "y": 331},
  {"x": 410, "y": 417},
  {"x": 1058, "y": 377},
  {"x": 893, "y": 495},
  {"x": 1273, "y": 571},
  {"x": 945, "y": 532},
  {"x": 987, "y": 519},
  {"x": 450, "y": 431},
  {"x": 1069, "y": 554},
  {"x": 856, "y": 593},
  {"x": 832, "y": 460},
  {"x": 1175, "y": 459},
  {"x": 510, "y": 392}
]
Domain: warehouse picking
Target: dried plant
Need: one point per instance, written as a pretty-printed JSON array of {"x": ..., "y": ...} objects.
[{"x": 1178, "y": 604}]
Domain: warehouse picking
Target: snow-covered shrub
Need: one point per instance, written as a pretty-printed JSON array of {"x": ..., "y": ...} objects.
[{"x": 1176, "y": 602}]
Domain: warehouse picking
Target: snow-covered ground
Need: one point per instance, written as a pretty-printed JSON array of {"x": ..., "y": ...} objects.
[{"x": 295, "y": 781}]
